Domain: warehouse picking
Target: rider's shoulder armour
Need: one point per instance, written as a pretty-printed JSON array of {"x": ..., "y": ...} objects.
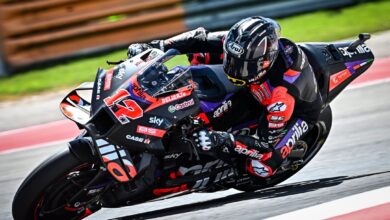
[{"x": 293, "y": 71}]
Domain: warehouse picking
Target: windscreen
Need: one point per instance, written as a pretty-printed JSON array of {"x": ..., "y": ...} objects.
[{"x": 168, "y": 73}]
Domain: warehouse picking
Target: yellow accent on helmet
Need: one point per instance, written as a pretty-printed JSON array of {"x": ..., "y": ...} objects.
[{"x": 237, "y": 82}]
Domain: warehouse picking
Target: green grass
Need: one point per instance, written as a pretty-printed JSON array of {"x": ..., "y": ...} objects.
[
  {"x": 54, "y": 78},
  {"x": 338, "y": 24},
  {"x": 318, "y": 26}
]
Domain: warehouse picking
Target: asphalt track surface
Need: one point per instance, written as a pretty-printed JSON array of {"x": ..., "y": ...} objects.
[{"x": 354, "y": 159}]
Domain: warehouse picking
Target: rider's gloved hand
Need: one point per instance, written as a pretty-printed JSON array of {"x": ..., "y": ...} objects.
[
  {"x": 135, "y": 49},
  {"x": 209, "y": 140}
]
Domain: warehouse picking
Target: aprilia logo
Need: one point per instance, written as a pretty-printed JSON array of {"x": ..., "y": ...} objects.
[
  {"x": 299, "y": 130},
  {"x": 222, "y": 109},
  {"x": 139, "y": 91},
  {"x": 361, "y": 49},
  {"x": 242, "y": 149}
]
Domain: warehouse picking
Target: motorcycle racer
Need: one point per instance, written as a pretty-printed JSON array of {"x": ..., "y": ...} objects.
[{"x": 277, "y": 73}]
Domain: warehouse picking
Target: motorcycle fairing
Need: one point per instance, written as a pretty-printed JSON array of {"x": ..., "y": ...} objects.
[
  {"x": 124, "y": 116},
  {"x": 117, "y": 160},
  {"x": 107, "y": 82},
  {"x": 76, "y": 107},
  {"x": 335, "y": 67},
  {"x": 122, "y": 105},
  {"x": 223, "y": 104},
  {"x": 190, "y": 175},
  {"x": 351, "y": 71}
]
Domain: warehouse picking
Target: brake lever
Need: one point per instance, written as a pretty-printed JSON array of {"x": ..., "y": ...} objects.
[
  {"x": 186, "y": 132},
  {"x": 363, "y": 37}
]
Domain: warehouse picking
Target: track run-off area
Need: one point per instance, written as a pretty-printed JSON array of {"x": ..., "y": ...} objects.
[{"x": 351, "y": 172}]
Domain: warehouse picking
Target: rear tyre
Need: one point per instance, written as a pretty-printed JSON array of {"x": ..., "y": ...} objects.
[
  {"x": 316, "y": 139},
  {"x": 43, "y": 193}
]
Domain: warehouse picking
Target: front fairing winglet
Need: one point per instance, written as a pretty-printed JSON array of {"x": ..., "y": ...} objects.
[{"x": 75, "y": 106}]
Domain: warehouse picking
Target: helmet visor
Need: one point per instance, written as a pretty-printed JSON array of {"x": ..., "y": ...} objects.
[{"x": 246, "y": 70}]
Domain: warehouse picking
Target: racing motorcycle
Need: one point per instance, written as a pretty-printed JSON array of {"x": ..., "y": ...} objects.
[{"x": 137, "y": 120}]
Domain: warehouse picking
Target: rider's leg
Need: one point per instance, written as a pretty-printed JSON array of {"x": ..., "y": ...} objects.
[{"x": 281, "y": 147}]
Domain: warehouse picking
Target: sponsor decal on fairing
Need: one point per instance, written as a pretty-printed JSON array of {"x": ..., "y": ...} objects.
[
  {"x": 361, "y": 49},
  {"x": 98, "y": 88},
  {"x": 172, "y": 156},
  {"x": 113, "y": 157},
  {"x": 156, "y": 121},
  {"x": 338, "y": 78},
  {"x": 108, "y": 80},
  {"x": 138, "y": 139},
  {"x": 173, "y": 97},
  {"x": 180, "y": 106},
  {"x": 225, "y": 107},
  {"x": 150, "y": 131},
  {"x": 138, "y": 91},
  {"x": 200, "y": 168},
  {"x": 120, "y": 74}
]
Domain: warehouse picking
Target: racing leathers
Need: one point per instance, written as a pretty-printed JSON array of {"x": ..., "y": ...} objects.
[{"x": 288, "y": 93}]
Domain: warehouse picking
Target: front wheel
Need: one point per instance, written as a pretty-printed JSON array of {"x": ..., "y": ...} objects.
[{"x": 56, "y": 189}]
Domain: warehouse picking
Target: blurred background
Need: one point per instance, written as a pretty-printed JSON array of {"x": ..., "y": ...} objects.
[{"x": 42, "y": 41}]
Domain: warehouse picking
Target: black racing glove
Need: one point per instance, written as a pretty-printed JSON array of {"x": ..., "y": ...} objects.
[
  {"x": 135, "y": 49},
  {"x": 210, "y": 140}
]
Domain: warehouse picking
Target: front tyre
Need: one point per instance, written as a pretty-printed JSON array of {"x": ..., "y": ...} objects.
[{"x": 46, "y": 192}]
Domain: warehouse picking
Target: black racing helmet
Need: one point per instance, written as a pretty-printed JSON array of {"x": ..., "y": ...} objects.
[{"x": 250, "y": 49}]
